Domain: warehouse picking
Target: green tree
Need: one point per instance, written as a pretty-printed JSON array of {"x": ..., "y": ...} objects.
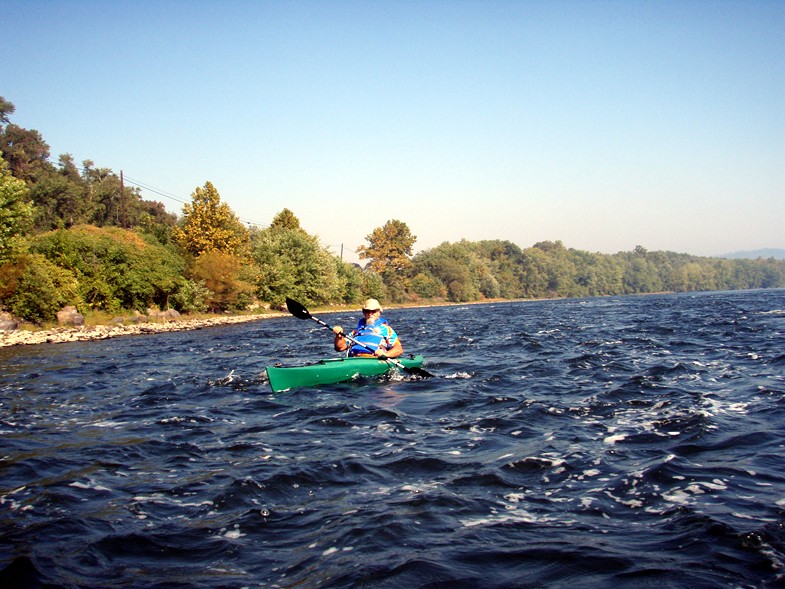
[
  {"x": 425, "y": 286},
  {"x": 373, "y": 286},
  {"x": 34, "y": 289},
  {"x": 505, "y": 260},
  {"x": 106, "y": 196},
  {"x": 59, "y": 202},
  {"x": 535, "y": 273},
  {"x": 210, "y": 225},
  {"x": 104, "y": 193},
  {"x": 6, "y": 110},
  {"x": 16, "y": 212},
  {"x": 291, "y": 263},
  {"x": 191, "y": 296},
  {"x": 352, "y": 282},
  {"x": 641, "y": 275},
  {"x": 457, "y": 266},
  {"x": 25, "y": 151},
  {"x": 115, "y": 269}
]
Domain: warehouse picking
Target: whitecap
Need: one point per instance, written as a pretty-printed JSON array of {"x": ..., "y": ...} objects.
[
  {"x": 90, "y": 485},
  {"x": 677, "y": 496},
  {"x": 458, "y": 376},
  {"x": 510, "y": 516},
  {"x": 111, "y": 424},
  {"x": 592, "y": 472},
  {"x": 234, "y": 534}
]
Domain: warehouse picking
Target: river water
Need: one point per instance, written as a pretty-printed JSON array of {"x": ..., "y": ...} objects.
[{"x": 605, "y": 442}]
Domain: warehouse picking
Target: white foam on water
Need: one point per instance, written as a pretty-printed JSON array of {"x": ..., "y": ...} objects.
[
  {"x": 234, "y": 534},
  {"x": 592, "y": 472},
  {"x": 12, "y": 503},
  {"x": 458, "y": 376},
  {"x": 109, "y": 424},
  {"x": 754, "y": 517},
  {"x": 515, "y": 497},
  {"x": 678, "y": 497},
  {"x": 510, "y": 516},
  {"x": 634, "y": 503},
  {"x": 417, "y": 488},
  {"x": 89, "y": 485}
]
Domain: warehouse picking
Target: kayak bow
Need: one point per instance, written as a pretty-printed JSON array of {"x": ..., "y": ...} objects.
[{"x": 332, "y": 371}]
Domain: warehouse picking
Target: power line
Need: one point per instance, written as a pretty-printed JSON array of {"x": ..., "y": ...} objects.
[
  {"x": 159, "y": 192},
  {"x": 141, "y": 184}
]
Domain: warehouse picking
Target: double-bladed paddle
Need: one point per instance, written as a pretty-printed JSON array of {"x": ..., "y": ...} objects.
[{"x": 301, "y": 312}]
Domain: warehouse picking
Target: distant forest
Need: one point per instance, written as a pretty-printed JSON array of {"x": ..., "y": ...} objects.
[{"x": 78, "y": 235}]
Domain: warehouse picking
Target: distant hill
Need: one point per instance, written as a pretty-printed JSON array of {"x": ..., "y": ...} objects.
[{"x": 778, "y": 254}]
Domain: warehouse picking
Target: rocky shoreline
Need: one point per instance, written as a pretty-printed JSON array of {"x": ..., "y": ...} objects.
[
  {"x": 98, "y": 332},
  {"x": 163, "y": 322}
]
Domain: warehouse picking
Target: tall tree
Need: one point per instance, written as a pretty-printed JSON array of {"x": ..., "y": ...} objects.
[
  {"x": 6, "y": 109},
  {"x": 292, "y": 263},
  {"x": 286, "y": 219},
  {"x": 25, "y": 151},
  {"x": 210, "y": 225},
  {"x": 16, "y": 211},
  {"x": 389, "y": 249}
]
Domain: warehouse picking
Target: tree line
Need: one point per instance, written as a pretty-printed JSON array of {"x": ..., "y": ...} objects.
[{"x": 73, "y": 235}]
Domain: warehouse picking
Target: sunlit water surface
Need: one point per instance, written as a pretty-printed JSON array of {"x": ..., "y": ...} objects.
[{"x": 610, "y": 442}]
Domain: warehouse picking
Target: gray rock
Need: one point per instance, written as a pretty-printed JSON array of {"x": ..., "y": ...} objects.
[
  {"x": 8, "y": 325},
  {"x": 70, "y": 316}
]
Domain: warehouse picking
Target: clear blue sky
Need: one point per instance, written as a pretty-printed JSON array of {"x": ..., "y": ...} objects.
[{"x": 603, "y": 124}]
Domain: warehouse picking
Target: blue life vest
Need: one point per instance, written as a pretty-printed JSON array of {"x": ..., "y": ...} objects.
[{"x": 374, "y": 335}]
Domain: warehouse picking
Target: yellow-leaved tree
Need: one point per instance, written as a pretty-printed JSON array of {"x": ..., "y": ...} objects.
[
  {"x": 389, "y": 249},
  {"x": 219, "y": 244},
  {"x": 210, "y": 225}
]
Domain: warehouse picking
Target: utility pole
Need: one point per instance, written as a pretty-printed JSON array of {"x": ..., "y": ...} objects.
[{"x": 122, "y": 197}]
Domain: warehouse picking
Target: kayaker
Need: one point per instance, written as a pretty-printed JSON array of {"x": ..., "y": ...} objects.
[{"x": 372, "y": 331}]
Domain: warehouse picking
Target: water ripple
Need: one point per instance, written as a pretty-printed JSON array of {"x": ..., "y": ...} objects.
[{"x": 620, "y": 442}]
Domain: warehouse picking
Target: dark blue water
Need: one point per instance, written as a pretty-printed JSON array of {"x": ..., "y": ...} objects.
[{"x": 614, "y": 442}]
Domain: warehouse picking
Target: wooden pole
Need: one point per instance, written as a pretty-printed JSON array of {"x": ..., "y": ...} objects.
[{"x": 122, "y": 197}]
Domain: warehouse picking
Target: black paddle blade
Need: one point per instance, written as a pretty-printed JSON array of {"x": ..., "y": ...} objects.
[
  {"x": 418, "y": 372},
  {"x": 297, "y": 309}
]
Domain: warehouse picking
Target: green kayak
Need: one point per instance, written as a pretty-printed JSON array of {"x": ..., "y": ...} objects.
[{"x": 335, "y": 370}]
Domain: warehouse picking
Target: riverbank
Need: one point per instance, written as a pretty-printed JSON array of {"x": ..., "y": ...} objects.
[{"x": 61, "y": 335}]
